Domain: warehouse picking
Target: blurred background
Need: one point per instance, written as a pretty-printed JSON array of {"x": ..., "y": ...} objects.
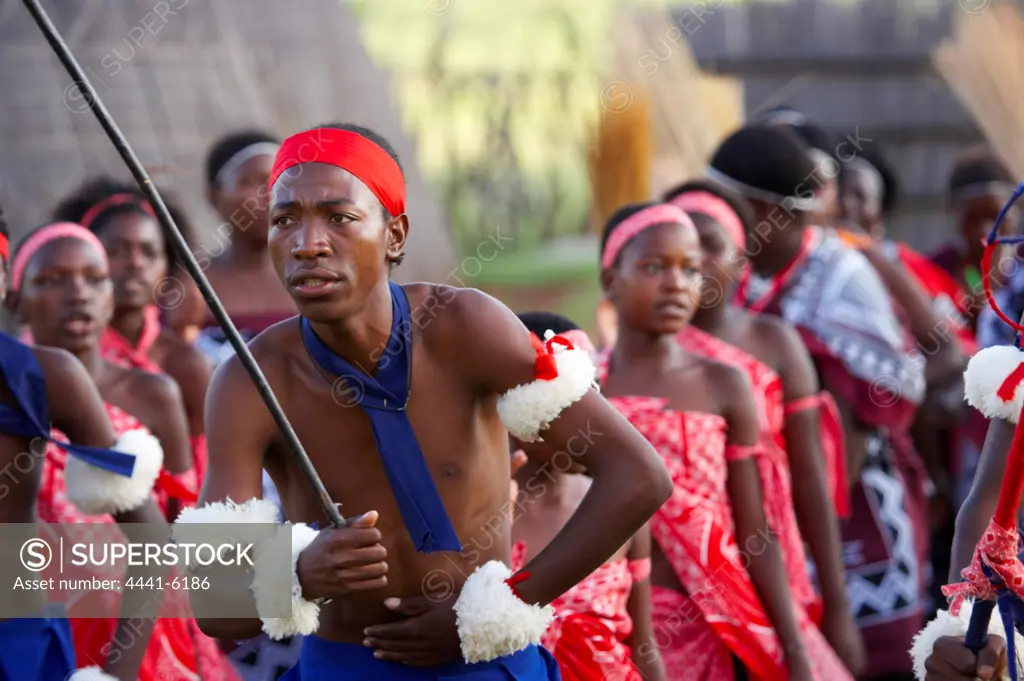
[{"x": 511, "y": 117}]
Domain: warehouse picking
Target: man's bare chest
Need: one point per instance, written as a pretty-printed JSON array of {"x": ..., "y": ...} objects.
[{"x": 339, "y": 437}]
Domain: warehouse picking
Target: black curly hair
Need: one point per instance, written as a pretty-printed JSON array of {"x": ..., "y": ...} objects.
[
  {"x": 540, "y": 322},
  {"x": 75, "y": 206},
  {"x": 227, "y": 146}
]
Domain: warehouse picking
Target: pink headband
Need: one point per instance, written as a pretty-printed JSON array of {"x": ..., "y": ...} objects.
[
  {"x": 660, "y": 214},
  {"x": 113, "y": 201},
  {"x": 718, "y": 210},
  {"x": 60, "y": 230},
  {"x": 580, "y": 339}
]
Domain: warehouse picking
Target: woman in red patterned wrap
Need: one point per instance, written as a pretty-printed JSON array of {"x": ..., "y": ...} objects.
[
  {"x": 65, "y": 294},
  {"x": 722, "y": 606},
  {"x": 790, "y": 409}
]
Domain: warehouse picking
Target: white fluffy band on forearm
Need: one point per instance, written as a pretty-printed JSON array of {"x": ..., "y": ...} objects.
[
  {"x": 945, "y": 624},
  {"x": 530, "y": 408},
  {"x": 90, "y": 674},
  {"x": 270, "y": 597},
  {"x": 492, "y": 620},
  {"x": 95, "y": 491},
  {"x": 251, "y": 522},
  {"x": 985, "y": 374}
]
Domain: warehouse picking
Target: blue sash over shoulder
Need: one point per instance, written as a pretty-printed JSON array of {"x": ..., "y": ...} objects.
[
  {"x": 31, "y": 417},
  {"x": 384, "y": 397}
]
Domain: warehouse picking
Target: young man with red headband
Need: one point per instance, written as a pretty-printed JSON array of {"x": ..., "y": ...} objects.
[{"x": 417, "y": 586}]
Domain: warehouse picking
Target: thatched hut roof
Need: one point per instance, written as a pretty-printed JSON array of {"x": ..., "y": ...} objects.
[{"x": 177, "y": 74}]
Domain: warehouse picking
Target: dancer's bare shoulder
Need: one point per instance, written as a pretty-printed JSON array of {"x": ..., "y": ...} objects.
[
  {"x": 232, "y": 393},
  {"x": 725, "y": 385},
  {"x": 68, "y": 385},
  {"x": 183, "y": 361},
  {"x": 473, "y": 333}
]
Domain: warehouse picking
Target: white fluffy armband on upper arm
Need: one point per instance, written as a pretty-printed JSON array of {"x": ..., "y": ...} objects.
[
  {"x": 562, "y": 375},
  {"x": 258, "y": 514},
  {"x": 992, "y": 382},
  {"x": 95, "y": 491}
]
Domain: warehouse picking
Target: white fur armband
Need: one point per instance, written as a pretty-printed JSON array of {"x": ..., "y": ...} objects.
[
  {"x": 492, "y": 620},
  {"x": 250, "y": 521},
  {"x": 945, "y": 624},
  {"x": 985, "y": 375},
  {"x": 95, "y": 491},
  {"x": 305, "y": 615},
  {"x": 90, "y": 674},
  {"x": 530, "y": 408},
  {"x": 247, "y": 522}
]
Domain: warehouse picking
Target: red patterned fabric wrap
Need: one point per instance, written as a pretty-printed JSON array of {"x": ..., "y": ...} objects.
[
  {"x": 200, "y": 458},
  {"x": 720, "y": 614},
  {"x": 592, "y": 625},
  {"x": 771, "y": 456},
  {"x": 587, "y": 650},
  {"x": 116, "y": 349},
  {"x": 833, "y": 445},
  {"x": 996, "y": 550},
  {"x": 695, "y": 532},
  {"x": 639, "y": 569}
]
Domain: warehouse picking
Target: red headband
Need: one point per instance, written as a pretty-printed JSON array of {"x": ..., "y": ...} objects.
[
  {"x": 350, "y": 151},
  {"x": 112, "y": 202}
]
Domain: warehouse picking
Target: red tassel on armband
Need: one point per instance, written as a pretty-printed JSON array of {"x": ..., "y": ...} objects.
[
  {"x": 546, "y": 368},
  {"x": 1009, "y": 387},
  {"x": 516, "y": 579}
]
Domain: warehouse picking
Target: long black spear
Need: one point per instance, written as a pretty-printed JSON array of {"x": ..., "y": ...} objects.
[{"x": 181, "y": 248}]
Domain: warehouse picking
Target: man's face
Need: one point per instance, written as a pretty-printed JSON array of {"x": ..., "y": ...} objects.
[{"x": 329, "y": 241}]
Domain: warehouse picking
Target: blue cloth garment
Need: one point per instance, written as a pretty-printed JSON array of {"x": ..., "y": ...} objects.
[
  {"x": 39, "y": 649},
  {"x": 384, "y": 398},
  {"x": 323, "y": 659},
  {"x": 31, "y": 418}
]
